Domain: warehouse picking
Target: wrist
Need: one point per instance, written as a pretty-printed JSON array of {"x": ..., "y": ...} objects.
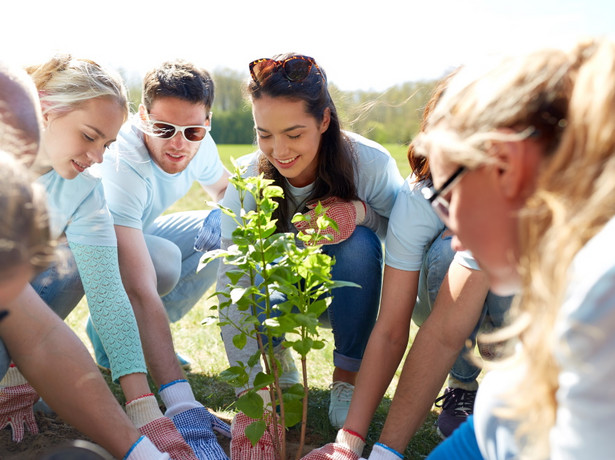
[
  {"x": 354, "y": 441},
  {"x": 360, "y": 208},
  {"x": 143, "y": 410},
  {"x": 384, "y": 452},
  {"x": 13, "y": 377},
  {"x": 144, "y": 449}
]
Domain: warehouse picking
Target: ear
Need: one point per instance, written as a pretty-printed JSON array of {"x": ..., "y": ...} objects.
[
  {"x": 513, "y": 170},
  {"x": 326, "y": 120},
  {"x": 142, "y": 112}
]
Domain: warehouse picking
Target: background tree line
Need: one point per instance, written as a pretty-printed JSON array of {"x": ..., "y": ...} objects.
[{"x": 389, "y": 117}]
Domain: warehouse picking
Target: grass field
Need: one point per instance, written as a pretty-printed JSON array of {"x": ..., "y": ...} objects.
[{"x": 203, "y": 346}]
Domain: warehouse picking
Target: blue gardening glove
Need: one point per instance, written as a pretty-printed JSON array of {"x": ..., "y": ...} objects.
[
  {"x": 195, "y": 423},
  {"x": 208, "y": 237}
]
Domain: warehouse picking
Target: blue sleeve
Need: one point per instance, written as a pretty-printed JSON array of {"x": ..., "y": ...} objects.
[
  {"x": 110, "y": 309},
  {"x": 461, "y": 444}
]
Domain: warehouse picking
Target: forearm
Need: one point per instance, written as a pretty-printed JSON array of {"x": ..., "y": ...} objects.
[
  {"x": 375, "y": 222},
  {"x": 381, "y": 359},
  {"x": 422, "y": 377},
  {"x": 57, "y": 364},
  {"x": 110, "y": 310},
  {"x": 156, "y": 337}
]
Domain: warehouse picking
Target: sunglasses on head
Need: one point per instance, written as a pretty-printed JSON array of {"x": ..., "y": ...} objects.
[
  {"x": 295, "y": 68},
  {"x": 192, "y": 133}
]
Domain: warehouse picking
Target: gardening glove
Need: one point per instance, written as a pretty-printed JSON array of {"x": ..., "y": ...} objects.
[
  {"x": 348, "y": 445},
  {"x": 346, "y": 214},
  {"x": 17, "y": 399},
  {"x": 195, "y": 423},
  {"x": 144, "y": 449},
  {"x": 241, "y": 447},
  {"x": 208, "y": 237},
  {"x": 383, "y": 452},
  {"x": 147, "y": 417}
]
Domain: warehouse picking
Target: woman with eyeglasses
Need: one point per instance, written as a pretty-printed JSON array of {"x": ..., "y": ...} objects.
[
  {"x": 83, "y": 107},
  {"x": 304, "y": 150},
  {"x": 535, "y": 138},
  {"x": 443, "y": 292}
]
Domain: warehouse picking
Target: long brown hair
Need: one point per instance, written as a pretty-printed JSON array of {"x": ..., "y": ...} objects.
[{"x": 335, "y": 175}]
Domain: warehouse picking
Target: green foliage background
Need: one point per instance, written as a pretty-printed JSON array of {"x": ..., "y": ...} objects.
[{"x": 389, "y": 117}]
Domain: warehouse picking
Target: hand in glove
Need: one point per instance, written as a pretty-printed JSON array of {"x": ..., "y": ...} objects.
[
  {"x": 208, "y": 237},
  {"x": 17, "y": 399},
  {"x": 346, "y": 214},
  {"x": 348, "y": 445},
  {"x": 195, "y": 423},
  {"x": 241, "y": 446},
  {"x": 147, "y": 417}
]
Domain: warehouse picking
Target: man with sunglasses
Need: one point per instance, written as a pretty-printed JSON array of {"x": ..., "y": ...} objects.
[{"x": 158, "y": 156}]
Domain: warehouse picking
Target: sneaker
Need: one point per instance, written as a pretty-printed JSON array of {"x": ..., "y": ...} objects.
[
  {"x": 289, "y": 375},
  {"x": 341, "y": 395},
  {"x": 456, "y": 404},
  {"x": 101, "y": 358}
]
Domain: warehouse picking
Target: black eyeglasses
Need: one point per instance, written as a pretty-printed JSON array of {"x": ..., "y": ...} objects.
[
  {"x": 436, "y": 197},
  {"x": 295, "y": 68}
]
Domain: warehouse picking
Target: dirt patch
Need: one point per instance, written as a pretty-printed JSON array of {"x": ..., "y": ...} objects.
[{"x": 54, "y": 434}]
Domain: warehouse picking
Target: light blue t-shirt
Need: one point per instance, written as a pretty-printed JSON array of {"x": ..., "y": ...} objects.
[
  {"x": 137, "y": 190},
  {"x": 413, "y": 226},
  {"x": 377, "y": 180},
  {"x": 77, "y": 207}
]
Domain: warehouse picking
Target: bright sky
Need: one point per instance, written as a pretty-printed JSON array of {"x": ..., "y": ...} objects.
[{"x": 361, "y": 44}]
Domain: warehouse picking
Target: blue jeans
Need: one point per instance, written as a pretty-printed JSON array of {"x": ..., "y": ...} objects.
[
  {"x": 436, "y": 262},
  {"x": 170, "y": 242},
  {"x": 353, "y": 311}
]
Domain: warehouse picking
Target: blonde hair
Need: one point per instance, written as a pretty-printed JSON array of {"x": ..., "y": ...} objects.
[
  {"x": 24, "y": 228},
  {"x": 567, "y": 101},
  {"x": 64, "y": 83}
]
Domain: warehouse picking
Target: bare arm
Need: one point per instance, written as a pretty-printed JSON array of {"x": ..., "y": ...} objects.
[
  {"x": 139, "y": 278},
  {"x": 216, "y": 191},
  {"x": 57, "y": 364},
  {"x": 386, "y": 347},
  {"x": 434, "y": 350}
]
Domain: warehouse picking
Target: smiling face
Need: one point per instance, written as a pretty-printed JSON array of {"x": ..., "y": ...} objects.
[
  {"x": 73, "y": 141},
  {"x": 289, "y": 137},
  {"x": 173, "y": 155}
]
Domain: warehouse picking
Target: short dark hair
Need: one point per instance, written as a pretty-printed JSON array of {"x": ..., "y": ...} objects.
[{"x": 179, "y": 79}]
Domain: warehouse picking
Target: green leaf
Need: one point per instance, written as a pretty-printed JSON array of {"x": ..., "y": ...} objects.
[
  {"x": 240, "y": 341},
  {"x": 262, "y": 380},
  {"x": 255, "y": 430},
  {"x": 251, "y": 404},
  {"x": 293, "y": 410}
]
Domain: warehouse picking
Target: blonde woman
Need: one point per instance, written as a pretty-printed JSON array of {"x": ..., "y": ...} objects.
[
  {"x": 530, "y": 143},
  {"x": 83, "y": 106}
]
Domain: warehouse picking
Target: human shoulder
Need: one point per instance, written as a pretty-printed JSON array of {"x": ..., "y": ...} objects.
[{"x": 365, "y": 148}]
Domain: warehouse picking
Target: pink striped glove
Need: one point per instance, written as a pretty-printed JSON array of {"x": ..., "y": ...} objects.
[
  {"x": 17, "y": 399},
  {"x": 346, "y": 214},
  {"x": 348, "y": 445},
  {"x": 241, "y": 447},
  {"x": 147, "y": 417}
]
